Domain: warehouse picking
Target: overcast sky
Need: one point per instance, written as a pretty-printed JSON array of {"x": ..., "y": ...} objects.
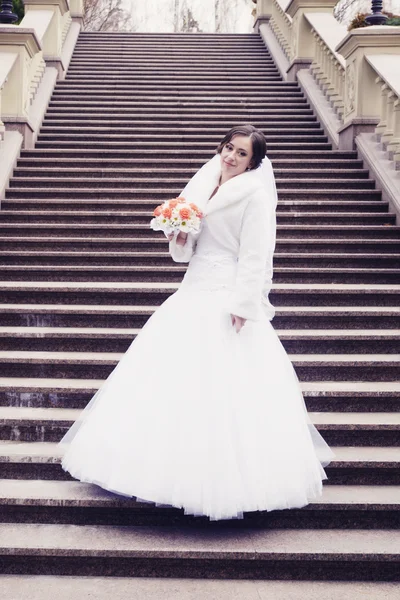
[{"x": 158, "y": 15}]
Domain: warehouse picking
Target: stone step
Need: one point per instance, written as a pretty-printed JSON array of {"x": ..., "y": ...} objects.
[
  {"x": 194, "y": 138},
  {"x": 152, "y": 57},
  {"x": 142, "y": 218},
  {"x": 82, "y": 68},
  {"x": 138, "y": 207},
  {"x": 168, "y": 184},
  {"x": 188, "y": 146},
  {"x": 170, "y": 551},
  {"x": 157, "y": 244},
  {"x": 165, "y": 273},
  {"x": 286, "y": 231},
  {"x": 315, "y": 298},
  {"x": 38, "y": 587},
  {"x": 358, "y": 465},
  {"x": 159, "y": 129},
  {"x": 321, "y": 396},
  {"x": 142, "y": 123},
  {"x": 137, "y": 258},
  {"x": 213, "y": 105},
  {"x": 146, "y": 153},
  {"x": 58, "y": 315},
  {"x": 141, "y": 224},
  {"x": 153, "y": 64},
  {"x": 285, "y": 111},
  {"x": 98, "y": 365},
  {"x": 275, "y": 97},
  {"x": 91, "y": 339},
  {"x": 157, "y": 195},
  {"x": 33, "y": 160},
  {"x": 136, "y": 86},
  {"x": 273, "y": 91},
  {"x": 183, "y": 127},
  {"x": 166, "y": 51},
  {"x": 177, "y": 78},
  {"x": 61, "y": 502},
  {"x": 162, "y": 173},
  {"x": 184, "y": 52}
]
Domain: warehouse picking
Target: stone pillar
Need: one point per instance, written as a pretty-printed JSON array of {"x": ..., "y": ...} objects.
[
  {"x": 363, "y": 93},
  {"x": 26, "y": 54},
  {"x": 303, "y": 42},
  {"x": 51, "y": 20},
  {"x": 263, "y": 13},
  {"x": 76, "y": 10}
]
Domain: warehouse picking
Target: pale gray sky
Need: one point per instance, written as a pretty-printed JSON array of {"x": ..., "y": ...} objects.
[{"x": 158, "y": 15}]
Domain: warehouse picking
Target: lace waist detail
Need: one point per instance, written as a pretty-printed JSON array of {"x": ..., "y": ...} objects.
[{"x": 210, "y": 271}]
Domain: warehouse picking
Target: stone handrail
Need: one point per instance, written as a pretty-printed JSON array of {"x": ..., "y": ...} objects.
[
  {"x": 32, "y": 56},
  {"x": 387, "y": 69},
  {"x": 351, "y": 79},
  {"x": 22, "y": 61},
  {"x": 281, "y": 25},
  {"x": 328, "y": 67}
]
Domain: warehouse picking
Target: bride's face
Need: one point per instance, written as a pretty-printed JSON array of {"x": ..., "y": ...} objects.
[{"x": 236, "y": 156}]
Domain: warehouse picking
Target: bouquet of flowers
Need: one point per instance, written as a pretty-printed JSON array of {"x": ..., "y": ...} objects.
[{"x": 176, "y": 215}]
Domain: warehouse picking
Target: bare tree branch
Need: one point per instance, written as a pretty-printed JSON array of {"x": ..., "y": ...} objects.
[{"x": 106, "y": 15}]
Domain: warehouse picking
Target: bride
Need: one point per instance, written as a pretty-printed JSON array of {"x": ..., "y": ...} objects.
[{"x": 204, "y": 411}]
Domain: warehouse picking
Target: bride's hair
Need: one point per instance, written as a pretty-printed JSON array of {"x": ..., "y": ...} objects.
[{"x": 257, "y": 139}]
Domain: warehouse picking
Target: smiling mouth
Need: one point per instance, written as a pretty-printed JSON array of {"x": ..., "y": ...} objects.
[{"x": 228, "y": 164}]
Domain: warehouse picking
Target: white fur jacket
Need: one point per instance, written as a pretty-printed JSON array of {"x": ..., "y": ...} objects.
[{"x": 242, "y": 215}]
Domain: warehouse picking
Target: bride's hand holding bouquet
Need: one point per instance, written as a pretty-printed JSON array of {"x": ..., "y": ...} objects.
[{"x": 177, "y": 217}]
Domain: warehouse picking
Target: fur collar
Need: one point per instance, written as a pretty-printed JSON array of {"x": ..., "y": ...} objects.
[{"x": 204, "y": 182}]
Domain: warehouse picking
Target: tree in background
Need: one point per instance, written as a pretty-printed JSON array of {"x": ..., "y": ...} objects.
[
  {"x": 106, "y": 15},
  {"x": 18, "y": 9}
]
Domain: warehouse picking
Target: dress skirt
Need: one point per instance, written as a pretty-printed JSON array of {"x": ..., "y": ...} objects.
[{"x": 199, "y": 417}]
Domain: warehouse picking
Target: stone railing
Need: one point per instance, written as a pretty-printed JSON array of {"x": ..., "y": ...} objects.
[
  {"x": 343, "y": 65},
  {"x": 328, "y": 67},
  {"x": 372, "y": 85},
  {"x": 21, "y": 60},
  {"x": 352, "y": 79},
  {"x": 387, "y": 69},
  {"x": 281, "y": 25},
  {"x": 33, "y": 55}
]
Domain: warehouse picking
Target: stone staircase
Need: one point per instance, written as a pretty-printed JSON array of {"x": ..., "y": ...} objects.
[{"x": 81, "y": 272}]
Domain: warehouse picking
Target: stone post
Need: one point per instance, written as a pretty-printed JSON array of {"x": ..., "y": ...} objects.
[
  {"x": 303, "y": 42},
  {"x": 76, "y": 10},
  {"x": 51, "y": 20},
  {"x": 263, "y": 13},
  {"x": 25, "y": 49},
  {"x": 363, "y": 94}
]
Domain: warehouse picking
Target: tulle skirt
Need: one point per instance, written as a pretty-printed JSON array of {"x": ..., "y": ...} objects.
[{"x": 199, "y": 417}]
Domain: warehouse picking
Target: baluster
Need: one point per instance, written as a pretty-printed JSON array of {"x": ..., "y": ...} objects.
[
  {"x": 388, "y": 133},
  {"x": 381, "y": 127},
  {"x": 393, "y": 146}
]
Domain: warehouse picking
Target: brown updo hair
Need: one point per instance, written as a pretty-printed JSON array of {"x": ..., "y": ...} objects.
[{"x": 258, "y": 141}]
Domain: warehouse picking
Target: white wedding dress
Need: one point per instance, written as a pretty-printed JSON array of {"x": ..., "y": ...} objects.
[{"x": 198, "y": 416}]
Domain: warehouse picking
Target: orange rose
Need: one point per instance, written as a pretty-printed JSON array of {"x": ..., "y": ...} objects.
[
  {"x": 157, "y": 211},
  {"x": 196, "y": 210},
  {"x": 167, "y": 213},
  {"x": 180, "y": 199},
  {"x": 184, "y": 213},
  {"x": 172, "y": 203}
]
